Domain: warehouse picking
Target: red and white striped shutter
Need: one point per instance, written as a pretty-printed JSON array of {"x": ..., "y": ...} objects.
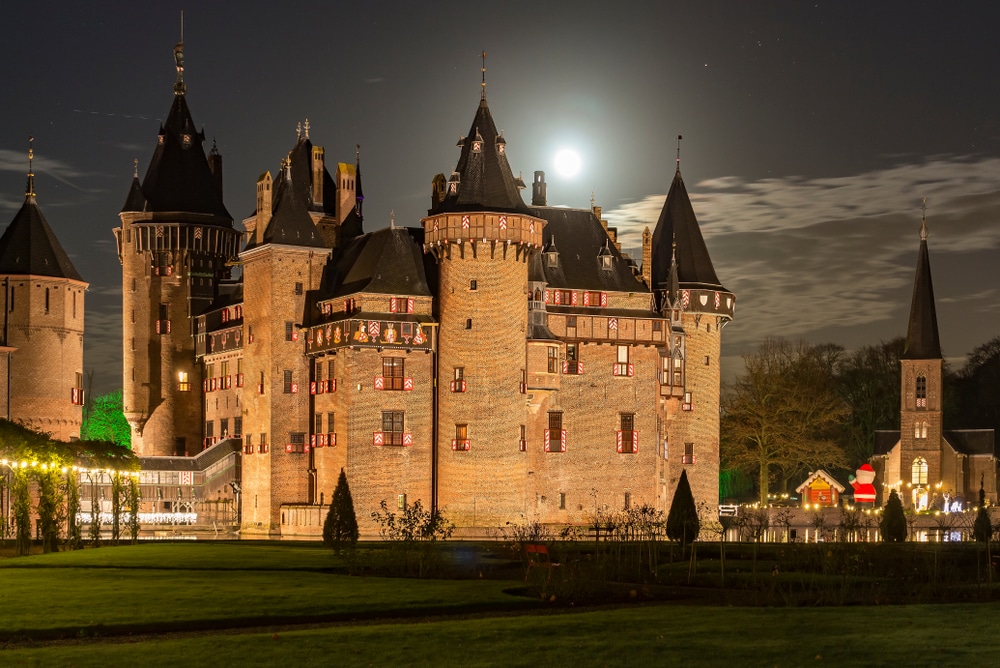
[
  {"x": 295, "y": 335},
  {"x": 619, "y": 440},
  {"x": 407, "y": 439},
  {"x": 604, "y": 299},
  {"x": 548, "y": 440},
  {"x": 635, "y": 441},
  {"x": 312, "y": 387},
  {"x": 573, "y": 298},
  {"x": 579, "y": 367},
  {"x": 558, "y": 296},
  {"x": 379, "y": 383},
  {"x": 312, "y": 440},
  {"x": 379, "y": 438},
  {"x": 565, "y": 367},
  {"x": 562, "y": 440},
  {"x": 631, "y": 369},
  {"x": 465, "y": 222},
  {"x": 393, "y": 305},
  {"x": 295, "y": 388},
  {"x": 407, "y": 384},
  {"x": 409, "y": 305},
  {"x": 288, "y": 447},
  {"x": 547, "y": 296}
]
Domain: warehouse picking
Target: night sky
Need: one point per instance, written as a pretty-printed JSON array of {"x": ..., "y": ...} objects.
[{"x": 811, "y": 132}]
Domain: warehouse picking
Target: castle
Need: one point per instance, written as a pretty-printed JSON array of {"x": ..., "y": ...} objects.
[{"x": 498, "y": 361}]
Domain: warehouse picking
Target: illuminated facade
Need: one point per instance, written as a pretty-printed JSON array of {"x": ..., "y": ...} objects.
[{"x": 499, "y": 361}]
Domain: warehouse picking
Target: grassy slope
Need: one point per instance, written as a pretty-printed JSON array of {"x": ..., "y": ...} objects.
[{"x": 157, "y": 584}]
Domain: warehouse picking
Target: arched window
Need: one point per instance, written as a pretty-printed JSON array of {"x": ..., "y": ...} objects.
[
  {"x": 918, "y": 472},
  {"x": 921, "y": 392},
  {"x": 919, "y": 430}
]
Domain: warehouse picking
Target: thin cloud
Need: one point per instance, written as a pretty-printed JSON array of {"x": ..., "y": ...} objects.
[{"x": 817, "y": 256}]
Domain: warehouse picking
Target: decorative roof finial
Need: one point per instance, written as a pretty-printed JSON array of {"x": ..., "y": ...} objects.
[
  {"x": 179, "y": 87},
  {"x": 591, "y": 199},
  {"x": 305, "y": 126},
  {"x": 484, "y": 76},
  {"x": 679, "y": 138},
  {"x": 298, "y": 130},
  {"x": 923, "y": 219},
  {"x": 392, "y": 219},
  {"x": 30, "y": 190},
  {"x": 135, "y": 168}
]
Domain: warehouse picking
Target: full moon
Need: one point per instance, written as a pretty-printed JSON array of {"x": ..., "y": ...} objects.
[{"x": 567, "y": 162}]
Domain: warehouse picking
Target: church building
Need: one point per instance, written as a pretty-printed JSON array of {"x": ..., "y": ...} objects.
[{"x": 923, "y": 460}]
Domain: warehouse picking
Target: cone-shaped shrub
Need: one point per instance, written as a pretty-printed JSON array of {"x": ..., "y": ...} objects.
[
  {"x": 341, "y": 526},
  {"x": 682, "y": 520}
]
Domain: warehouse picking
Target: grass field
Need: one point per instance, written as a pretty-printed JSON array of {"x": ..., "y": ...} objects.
[{"x": 247, "y": 604}]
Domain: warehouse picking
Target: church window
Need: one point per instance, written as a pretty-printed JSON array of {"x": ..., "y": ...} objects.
[
  {"x": 688, "y": 457},
  {"x": 918, "y": 472},
  {"x": 921, "y": 391},
  {"x": 920, "y": 430},
  {"x": 553, "y": 358},
  {"x": 392, "y": 372}
]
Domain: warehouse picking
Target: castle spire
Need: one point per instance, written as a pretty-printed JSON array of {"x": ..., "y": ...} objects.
[
  {"x": 679, "y": 138},
  {"x": 30, "y": 190},
  {"x": 922, "y": 340},
  {"x": 179, "y": 87},
  {"x": 484, "y": 77}
]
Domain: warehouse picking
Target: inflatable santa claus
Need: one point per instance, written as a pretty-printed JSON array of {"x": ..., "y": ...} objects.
[{"x": 864, "y": 490}]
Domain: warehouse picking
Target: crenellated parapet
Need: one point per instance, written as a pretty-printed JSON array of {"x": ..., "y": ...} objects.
[{"x": 496, "y": 231}]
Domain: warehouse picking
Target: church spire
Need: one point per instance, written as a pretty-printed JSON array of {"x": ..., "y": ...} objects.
[{"x": 922, "y": 340}]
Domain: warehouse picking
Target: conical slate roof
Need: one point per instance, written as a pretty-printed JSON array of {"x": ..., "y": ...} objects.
[
  {"x": 922, "y": 342},
  {"x": 677, "y": 222},
  {"x": 178, "y": 178},
  {"x": 486, "y": 182},
  {"x": 28, "y": 246}
]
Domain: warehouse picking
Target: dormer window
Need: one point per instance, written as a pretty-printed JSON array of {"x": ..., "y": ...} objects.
[
  {"x": 551, "y": 253},
  {"x": 477, "y": 143},
  {"x": 501, "y": 144},
  {"x": 453, "y": 183},
  {"x": 607, "y": 262},
  {"x": 186, "y": 140}
]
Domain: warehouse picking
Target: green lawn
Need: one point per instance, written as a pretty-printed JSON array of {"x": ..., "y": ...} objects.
[{"x": 217, "y": 587}]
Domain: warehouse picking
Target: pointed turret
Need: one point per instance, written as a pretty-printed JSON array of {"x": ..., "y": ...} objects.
[
  {"x": 290, "y": 222},
  {"x": 179, "y": 177},
  {"x": 922, "y": 340},
  {"x": 678, "y": 224},
  {"x": 483, "y": 180},
  {"x": 28, "y": 245}
]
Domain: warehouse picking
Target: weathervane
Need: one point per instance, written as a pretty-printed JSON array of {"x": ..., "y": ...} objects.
[
  {"x": 31, "y": 172},
  {"x": 179, "y": 87},
  {"x": 484, "y": 75},
  {"x": 392, "y": 219},
  {"x": 135, "y": 168},
  {"x": 679, "y": 138},
  {"x": 305, "y": 126}
]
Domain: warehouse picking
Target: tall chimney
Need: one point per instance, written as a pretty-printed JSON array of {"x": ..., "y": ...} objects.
[{"x": 538, "y": 190}]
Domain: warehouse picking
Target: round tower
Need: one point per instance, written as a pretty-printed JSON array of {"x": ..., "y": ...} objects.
[
  {"x": 481, "y": 234},
  {"x": 174, "y": 242}
]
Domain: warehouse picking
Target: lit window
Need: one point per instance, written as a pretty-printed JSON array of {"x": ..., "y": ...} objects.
[{"x": 918, "y": 472}]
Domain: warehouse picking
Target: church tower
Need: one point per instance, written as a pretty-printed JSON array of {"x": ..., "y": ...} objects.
[
  {"x": 482, "y": 235},
  {"x": 282, "y": 263},
  {"x": 688, "y": 291},
  {"x": 41, "y": 352},
  {"x": 174, "y": 242},
  {"x": 920, "y": 422}
]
